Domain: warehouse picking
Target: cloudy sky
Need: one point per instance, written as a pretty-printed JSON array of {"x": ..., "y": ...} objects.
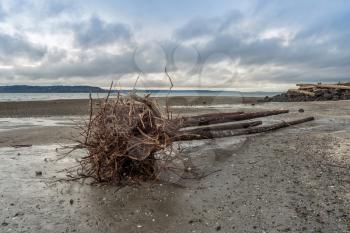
[{"x": 241, "y": 45}]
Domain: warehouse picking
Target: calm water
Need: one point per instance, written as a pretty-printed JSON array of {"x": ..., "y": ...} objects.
[
  {"x": 44, "y": 96},
  {"x": 57, "y": 96}
]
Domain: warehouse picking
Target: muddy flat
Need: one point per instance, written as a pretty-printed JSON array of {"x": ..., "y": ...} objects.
[
  {"x": 295, "y": 179},
  {"x": 78, "y": 107}
]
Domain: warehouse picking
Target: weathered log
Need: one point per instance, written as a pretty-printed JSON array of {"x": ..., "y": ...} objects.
[
  {"x": 307, "y": 87},
  {"x": 332, "y": 86},
  {"x": 210, "y": 115},
  {"x": 222, "y": 127},
  {"x": 314, "y": 85},
  {"x": 189, "y": 122},
  {"x": 308, "y": 93},
  {"x": 305, "y": 84},
  {"x": 230, "y": 133},
  {"x": 22, "y": 145}
]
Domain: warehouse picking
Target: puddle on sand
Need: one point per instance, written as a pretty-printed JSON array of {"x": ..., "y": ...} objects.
[
  {"x": 23, "y": 163},
  {"x": 8, "y": 124}
]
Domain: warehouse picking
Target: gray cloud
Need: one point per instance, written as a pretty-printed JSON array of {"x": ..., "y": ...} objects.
[
  {"x": 322, "y": 46},
  {"x": 270, "y": 42},
  {"x": 39, "y": 9},
  {"x": 96, "y": 32},
  {"x": 2, "y": 12},
  {"x": 199, "y": 27},
  {"x": 54, "y": 7},
  {"x": 14, "y": 47},
  {"x": 57, "y": 65},
  {"x": 102, "y": 65}
]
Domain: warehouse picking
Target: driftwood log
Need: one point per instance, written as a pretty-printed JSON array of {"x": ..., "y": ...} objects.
[
  {"x": 229, "y": 133},
  {"x": 308, "y": 88},
  {"x": 302, "y": 91},
  {"x": 211, "y": 115},
  {"x": 332, "y": 86},
  {"x": 304, "y": 84},
  {"x": 223, "y": 118},
  {"x": 228, "y": 126}
]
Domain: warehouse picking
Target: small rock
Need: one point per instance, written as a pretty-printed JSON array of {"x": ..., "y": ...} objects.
[
  {"x": 286, "y": 229},
  {"x": 38, "y": 173},
  {"x": 218, "y": 228},
  {"x": 194, "y": 221},
  {"x": 18, "y": 214},
  {"x": 71, "y": 201},
  {"x": 301, "y": 110},
  {"x": 18, "y": 154},
  {"x": 4, "y": 224}
]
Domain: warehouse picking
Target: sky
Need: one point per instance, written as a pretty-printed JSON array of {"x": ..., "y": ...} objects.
[{"x": 254, "y": 45}]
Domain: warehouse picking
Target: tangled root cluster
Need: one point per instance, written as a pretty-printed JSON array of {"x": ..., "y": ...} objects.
[{"x": 122, "y": 138}]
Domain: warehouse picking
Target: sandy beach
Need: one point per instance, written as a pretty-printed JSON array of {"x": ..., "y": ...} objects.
[
  {"x": 174, "y": 116},
  {"x": 291, "y": 180}
]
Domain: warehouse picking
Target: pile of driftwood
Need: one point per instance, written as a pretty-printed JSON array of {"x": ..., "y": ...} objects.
[
  {"x": 314, "y": 92},
  {"x": 129, "y": 140}
]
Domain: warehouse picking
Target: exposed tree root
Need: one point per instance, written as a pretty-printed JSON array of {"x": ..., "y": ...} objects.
[{"x": 128, "y": 140}]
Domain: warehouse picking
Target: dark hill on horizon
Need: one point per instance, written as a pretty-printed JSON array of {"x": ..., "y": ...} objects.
[{"x": 50, "y": 89}]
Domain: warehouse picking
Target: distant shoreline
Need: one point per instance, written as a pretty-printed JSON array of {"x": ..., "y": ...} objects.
[
  {"x": 25, "y": 89},
  {"x": 17, "y": 97}
]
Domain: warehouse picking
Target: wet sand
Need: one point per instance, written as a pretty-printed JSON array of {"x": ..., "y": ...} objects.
[
  {"x": 81, "y": 106},
  {"x": 292, "y": 180}
]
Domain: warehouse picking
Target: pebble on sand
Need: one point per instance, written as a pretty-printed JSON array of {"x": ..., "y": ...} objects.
[
  {"x": 38, "y": 173},
  {"x": 4, "y": 224}
]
